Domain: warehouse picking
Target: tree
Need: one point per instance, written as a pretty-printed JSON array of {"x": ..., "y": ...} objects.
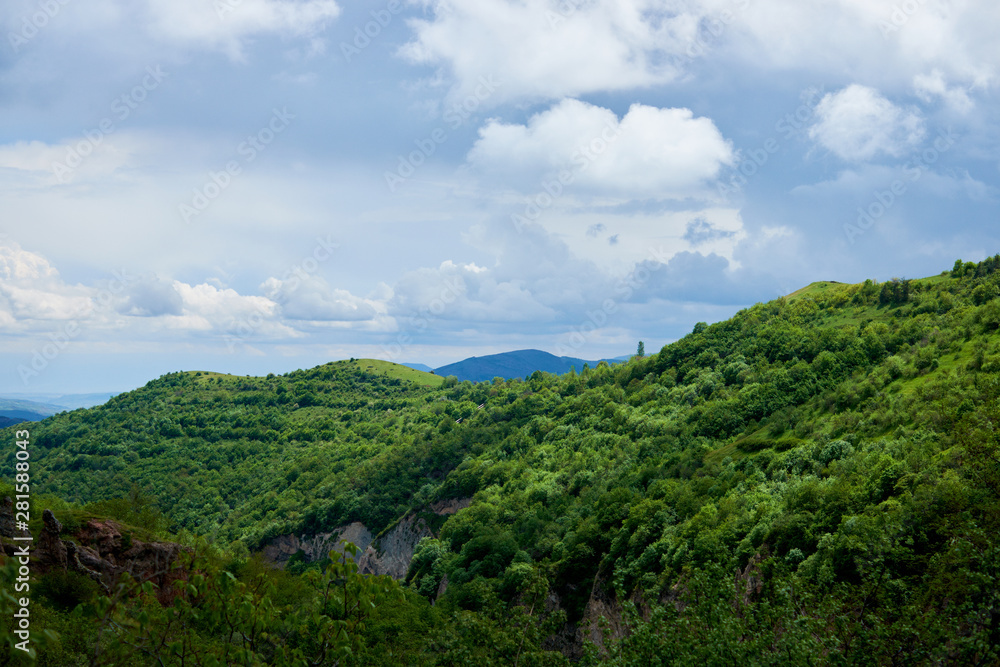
[{"x": 641, "y": 351}]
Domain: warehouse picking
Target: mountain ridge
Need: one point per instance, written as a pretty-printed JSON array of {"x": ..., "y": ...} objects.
[
  {"x": 841, "y": 444},
  {"x": 514, "y": 364}
]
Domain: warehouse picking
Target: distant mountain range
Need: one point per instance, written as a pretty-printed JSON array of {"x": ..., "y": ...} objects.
[
  {"x": 16, "y": 408},
  {"x": 516, "y": 364}
]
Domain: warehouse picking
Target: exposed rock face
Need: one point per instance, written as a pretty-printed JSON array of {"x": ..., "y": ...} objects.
[
  {"x": 750, "y": 582},
  {"x": 316, "y": 547},
  {"x": 51, "y": 551},
  {"x": 602, "y": 604},
  {"x": 443, "y": 507},
  {"x": 442, "y": 587},
  {"x": 391, "y": 554},
  {"x": 8, "y": 524},
  {"x": 101, "y": 553}
]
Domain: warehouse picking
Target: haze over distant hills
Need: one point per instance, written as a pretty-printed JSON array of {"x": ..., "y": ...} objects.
[
  {"x": 840, "y": 442},
  {"x": 16, "y": 408}
]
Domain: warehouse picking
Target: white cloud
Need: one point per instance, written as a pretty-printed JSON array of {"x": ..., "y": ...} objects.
[
  {"x": 650, "y": 152},
  {"x": 209, "y": 307},
  {"x": 70, "y": 161},
  {"x": 545, "y": 49},
  {"x": 226, "y": 24},
  {"x": 26, "y": 303},
  {"x": 464, "y": 292},
  {"x": 149, "y": 296},
  {"x": 882, "y": 43},
  {"x": 128, "y": 25},
  {"x": 19, "y": 266},
  {"x": 31, "y": 289},
  {"x": 549, "y": 49},
  {"x": 933, "y": 86},
  {"x": 312, "y": 298},
  {"x": 128, "y": 307},
  {"x": 615, "y": 242},
  {"x": 858, "y": 124}
]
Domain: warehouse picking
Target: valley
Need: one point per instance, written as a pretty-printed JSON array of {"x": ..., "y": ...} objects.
[{"x": 814, "y": 481}]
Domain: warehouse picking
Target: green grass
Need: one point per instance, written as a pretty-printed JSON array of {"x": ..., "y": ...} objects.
[
  {"x": 762, "y": 439},
  {"x": 399, "y": 372},
  {"x": 813, "y": 290}
]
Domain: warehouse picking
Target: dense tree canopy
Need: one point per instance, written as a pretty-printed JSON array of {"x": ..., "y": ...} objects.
[{"x": 813, "y": 481}]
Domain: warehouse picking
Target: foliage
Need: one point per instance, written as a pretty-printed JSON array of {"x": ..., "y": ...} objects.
[{"x": 814, "y": 481}]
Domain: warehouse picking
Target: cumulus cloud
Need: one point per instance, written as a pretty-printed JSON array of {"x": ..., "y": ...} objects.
[
  {"x": 549, "y": 49},
  {"x": 226, "y": 24},
  {"x": 127, "y": 306},
  {"x": 312, "y": 298},
  {"x": 150, "y": 297},
  {"x": 545, "y": 49},
  {"x": 218, "y": 25},
  {"x": 31, "y": 288},
  {"x": 858, "y": 124},
  {"x": 650, "y": 152},
  {"x": 933, "y": 86},
  {"x": 18, "y": 265},
  {"x": 466, "y": 292},
  {"x": 878, "y": 42},
  {"x": 209, "y": 307}
]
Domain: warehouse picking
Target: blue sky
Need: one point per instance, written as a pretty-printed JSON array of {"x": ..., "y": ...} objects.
[{"x": 254, "y": 186}]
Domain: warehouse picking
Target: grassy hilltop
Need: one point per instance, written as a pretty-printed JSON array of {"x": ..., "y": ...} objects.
[{"x": 814, "y": 481}]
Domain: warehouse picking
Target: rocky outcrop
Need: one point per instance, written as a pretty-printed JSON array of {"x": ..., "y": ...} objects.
[
  {"x": 51, "y": 551},
  {"x": 8, "y": 525},
  {"x": 442, "y": 587},
  {"x": 602, "y": 618},
  {"x": 99, "y": 551},
  {"x": 749, "y": 582},
  {"x": 444, "y": 507},
  {"x": 391, "y": 553},
  {"x": 316, "y": 547}
]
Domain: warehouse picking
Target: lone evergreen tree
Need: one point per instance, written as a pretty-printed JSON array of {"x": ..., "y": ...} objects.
[{"x": 641, "y": 351}]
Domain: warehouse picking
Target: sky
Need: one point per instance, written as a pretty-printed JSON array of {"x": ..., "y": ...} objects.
[{"x": 255, "y": 186}]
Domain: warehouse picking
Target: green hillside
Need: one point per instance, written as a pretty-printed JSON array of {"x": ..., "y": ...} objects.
[
  {"x": 399, "y": 372},
  {"x": 814, "y": 481}
]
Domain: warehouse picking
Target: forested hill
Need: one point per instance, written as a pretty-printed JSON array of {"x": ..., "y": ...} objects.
[
  {"x": 814, "y": 481},
  {"x": 516, "y": 364}
]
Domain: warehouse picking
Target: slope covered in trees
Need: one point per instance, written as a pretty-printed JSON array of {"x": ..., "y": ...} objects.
[{"x": 812, "y": 481}]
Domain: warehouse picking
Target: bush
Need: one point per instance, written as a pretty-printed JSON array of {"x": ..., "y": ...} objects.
[
  {"x": 895, "y": 366},
  {"x": 67, "y": 589},
  {"x": 837, "y": 449}
]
